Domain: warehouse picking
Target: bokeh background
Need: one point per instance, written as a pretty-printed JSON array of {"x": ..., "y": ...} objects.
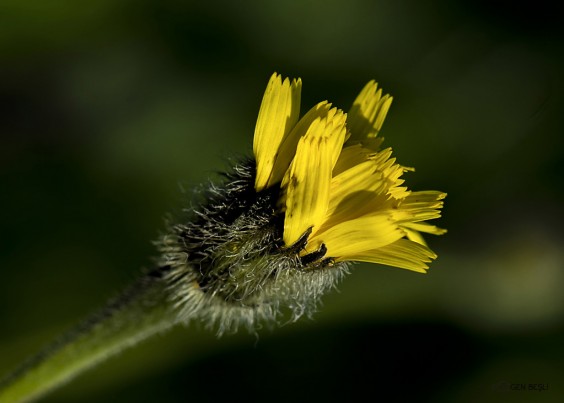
[{"x": 111, "y": 109}]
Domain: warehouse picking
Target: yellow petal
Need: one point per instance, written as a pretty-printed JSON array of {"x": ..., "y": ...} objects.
[
  {"x": 363, "y": 183},
  {"x": 307, "y": 181},
  {"x": 367, "y": 114},
  {"x": 279, "y": 112},
  {"x": 420, "y": 206},
  {"x": 414, "y": 236},
  {"x": 287, "y": 148},
  {"x": 351, "y": 156},
  {"x": 424, "y": 227},
  {"x": 354, "y": 193},
  {"x": 402, "y": 253},
  {"x": 389, "y": 171},
  {"x": 353, "y": 237}
]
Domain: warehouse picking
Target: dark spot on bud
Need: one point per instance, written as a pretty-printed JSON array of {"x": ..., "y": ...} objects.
[{"x": 314, "y": 256}]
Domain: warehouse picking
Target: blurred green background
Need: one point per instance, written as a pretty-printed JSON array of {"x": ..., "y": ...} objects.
[{"x": 111, "y": 108}]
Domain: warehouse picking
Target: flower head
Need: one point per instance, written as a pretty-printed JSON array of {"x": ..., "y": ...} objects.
[
  {"x": 280, "y": 231},
  {"x": 342, "y": 196},
  {"x": 275, "y": 235}
]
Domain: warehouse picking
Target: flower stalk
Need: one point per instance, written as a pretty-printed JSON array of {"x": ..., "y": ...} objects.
[{"x": 140, "y": 312}]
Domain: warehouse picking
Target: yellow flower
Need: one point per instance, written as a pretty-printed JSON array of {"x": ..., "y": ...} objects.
[{"x": 340, "y": 192}]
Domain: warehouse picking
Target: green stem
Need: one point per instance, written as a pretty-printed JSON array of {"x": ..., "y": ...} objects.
[{"x": 141, "y": 311}]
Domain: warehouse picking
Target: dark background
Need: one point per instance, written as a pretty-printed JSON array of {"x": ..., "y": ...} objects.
[{"x": 109, "y": 108}]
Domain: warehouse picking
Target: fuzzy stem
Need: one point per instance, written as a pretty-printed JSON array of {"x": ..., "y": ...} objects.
[{"x": 141, "y": 311}]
